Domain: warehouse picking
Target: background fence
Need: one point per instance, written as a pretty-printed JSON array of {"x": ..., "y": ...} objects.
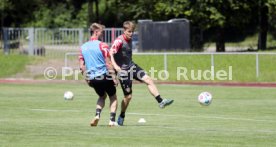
[
  {"x": 49, "y": 42},
  {"x": 245, "y": 66},
  {"x": 54, "y": 44}
]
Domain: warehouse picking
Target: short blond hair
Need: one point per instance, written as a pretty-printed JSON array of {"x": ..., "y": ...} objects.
[
  {"x": 129, "y": 25},
  {"x": 96, "y": 26}
]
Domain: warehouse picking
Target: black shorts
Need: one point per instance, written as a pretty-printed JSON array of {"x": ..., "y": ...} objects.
[
  {"x": 103, "y": 84},
  {"x": 126, "y": 77}
]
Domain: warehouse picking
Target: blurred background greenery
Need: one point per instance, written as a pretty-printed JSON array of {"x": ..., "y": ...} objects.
[{"x": 218, "y": 21}]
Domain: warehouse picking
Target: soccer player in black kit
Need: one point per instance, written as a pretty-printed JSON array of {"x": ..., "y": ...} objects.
[{"x": 121, "y": 58}]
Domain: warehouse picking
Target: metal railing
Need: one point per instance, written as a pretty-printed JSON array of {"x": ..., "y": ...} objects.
[
  {"x": 29, "y": 40},
  {"x": 212, "y": 60}
]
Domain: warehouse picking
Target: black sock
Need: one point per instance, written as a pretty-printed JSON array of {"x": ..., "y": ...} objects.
[
  {"x": 98, "y": 112},
  {"x": 158, "y": 98},
  {"x": 122, "y": 114},
  {"x": 112, "y": 116}
]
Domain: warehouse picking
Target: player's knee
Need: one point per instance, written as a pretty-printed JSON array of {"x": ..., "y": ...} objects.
[
  {"x": 103, "y": 96},
  {"x": 113, "y": 97},
  {"x": 148, "y": 80},
  {"x": 128, "y": 97},
  {"x": 127, "y": 91}
]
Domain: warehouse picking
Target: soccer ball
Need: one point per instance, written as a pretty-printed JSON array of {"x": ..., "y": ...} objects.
[
  {"x": 68, "y": 95},
  {"x": 205, "y": 98}
]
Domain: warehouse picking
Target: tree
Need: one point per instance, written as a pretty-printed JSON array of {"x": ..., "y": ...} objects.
[
  {"x": 136, "y": 9},
  {"x": 215, "y": 16},
  {"x": 272, "y": 17},
  {"x": 221, "y": 15},
  {"x": 90, "y": 12},
  {"x": 16, "y": 12},
  {"x": 263, "y": 22},
  {"x": 97, "y": 10},
  {"x": 267, "y": 19}
]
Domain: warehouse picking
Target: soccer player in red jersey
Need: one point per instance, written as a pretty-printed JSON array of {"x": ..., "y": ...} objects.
[
  {"x": 121, "y": 58},
  {"x": 95, "y": 63}
]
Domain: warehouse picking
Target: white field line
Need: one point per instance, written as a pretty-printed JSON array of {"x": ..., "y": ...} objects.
[
  {"x": 169, "y": 115},
  {"x": 208, "y": 117}
]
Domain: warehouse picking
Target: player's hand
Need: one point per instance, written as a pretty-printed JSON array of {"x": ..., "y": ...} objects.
[
  {"x": 82, "y": 69},
  {"x": 115, "y": 80},
  {"x": 114, "y": 77},
  {"x": 88, "y": 82},
  {"x": 118, "y": 69}
]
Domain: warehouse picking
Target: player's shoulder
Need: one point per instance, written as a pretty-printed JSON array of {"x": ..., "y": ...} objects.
[
  {"x": 91, "y": 42},
  {"x": 104, "y": 45},
  {"x": 121, "y": 37},
  {"x": 118, "y": 40},
  {"x": 86, "y": 43}
]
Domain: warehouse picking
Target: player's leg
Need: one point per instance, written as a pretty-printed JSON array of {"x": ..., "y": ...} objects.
[
  {"x": 140, "y": 75},
  {"x": 151, "y": 86},
  {"x": 99, "y": 107},
  {"x": 113, "y": 108},
  {"x": 126, "y": 85},
  {"x": 111, "y": 91},
  {"x": 124, "y": 104},
  {"x": 98, "y": 87}
]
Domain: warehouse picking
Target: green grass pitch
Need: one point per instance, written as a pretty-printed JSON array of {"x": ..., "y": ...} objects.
[{"x": 37, "y": 115}]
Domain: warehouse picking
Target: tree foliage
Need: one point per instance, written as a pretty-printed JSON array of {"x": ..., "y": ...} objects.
[
  {"x": 272, "y": 16},
  {"x": 218, "y": 16},
  {"x": 73, "y": 13}
]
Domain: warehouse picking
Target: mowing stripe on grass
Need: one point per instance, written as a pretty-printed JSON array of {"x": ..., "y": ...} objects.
[
  {"x": 53, "y": 110},
  {"x": 208, "y": 117},
  {"x": 218, "y": 130},
  {"x": 144, "y": 114}
]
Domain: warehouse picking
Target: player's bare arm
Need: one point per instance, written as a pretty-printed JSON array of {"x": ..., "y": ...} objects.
[
  {"x": 109, "y": 66},
  {"x": 111, "y": 70},
  {"x": 82, "y": 64},
  {"x": 113, "y": 50},
  {"x": 116, "y": 67}
]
